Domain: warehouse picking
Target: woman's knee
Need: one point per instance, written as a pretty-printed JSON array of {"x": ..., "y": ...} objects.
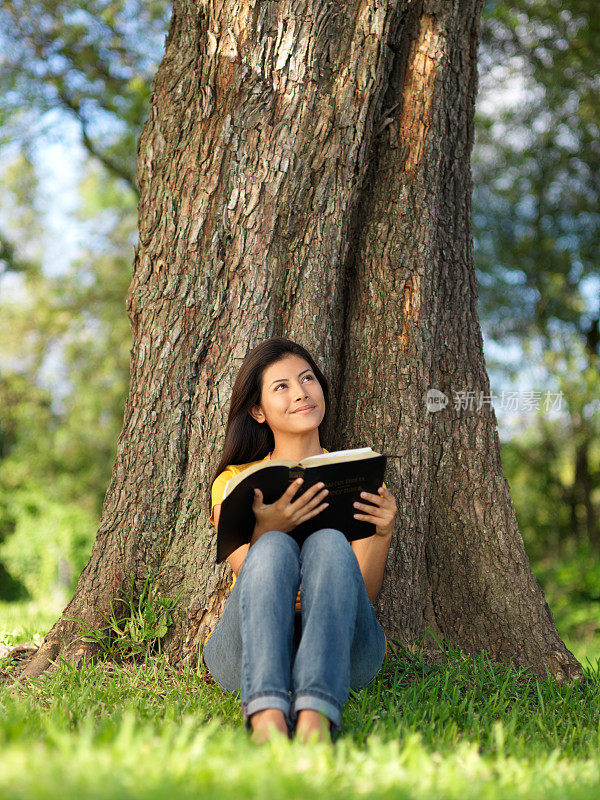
[
  {"x": 328, "y": 544},
  {"x": 274, "y": 552},
  {"x": 328, "y": 553}
]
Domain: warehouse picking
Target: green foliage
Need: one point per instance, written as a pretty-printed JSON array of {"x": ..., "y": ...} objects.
[
  {"x": 553, "y": 466},
  {"x": 537, "y": 467},
  {"x": 28, "y": 620},
  {"x": 11, "y": 588},
  {"x": 535, "y": 163},
  {"x": 93, "y": 60},
  {"x": 50, "y": 542},
  {"x": 571, "y": 584},
  {"x": 21, "y": 240},
  {"x": 139, "y": 631},
  {"x": 536, "y": 229}
]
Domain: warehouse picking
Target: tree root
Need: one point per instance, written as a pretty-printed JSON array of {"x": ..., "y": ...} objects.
[{"x": 47, "y": 657}]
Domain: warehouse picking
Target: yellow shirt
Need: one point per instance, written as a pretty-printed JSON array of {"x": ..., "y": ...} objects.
[{"x": 218, "y": 488}]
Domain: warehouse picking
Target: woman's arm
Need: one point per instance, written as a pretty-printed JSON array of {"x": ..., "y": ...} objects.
[
  {"x": 371, "y": 554},
  {"x": 236, "y": 559}
]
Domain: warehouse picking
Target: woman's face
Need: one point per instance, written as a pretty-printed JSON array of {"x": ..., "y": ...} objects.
[{"x": 288, "y": 385}]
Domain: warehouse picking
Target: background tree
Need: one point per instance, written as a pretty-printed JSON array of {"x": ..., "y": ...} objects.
[
  {"x": 537, "y": 233},
  {"x": 296, "y": 169},
  {"x": 84, "y": 67}
]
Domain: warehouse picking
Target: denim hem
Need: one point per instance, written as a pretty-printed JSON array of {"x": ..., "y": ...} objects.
[
  {"x": 262, "y": 700},
  {"x": 317, "y": 701}
]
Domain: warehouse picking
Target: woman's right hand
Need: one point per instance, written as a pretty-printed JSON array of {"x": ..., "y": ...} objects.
[{"x": 284, "y": 515}]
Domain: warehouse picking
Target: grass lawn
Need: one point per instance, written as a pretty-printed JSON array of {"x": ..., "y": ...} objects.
[{"x": 464, "y": 729}]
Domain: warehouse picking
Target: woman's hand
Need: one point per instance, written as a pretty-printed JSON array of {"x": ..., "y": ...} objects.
[
  {"x": 284, "y": 515},
  {"x": 382, "y": 514}
]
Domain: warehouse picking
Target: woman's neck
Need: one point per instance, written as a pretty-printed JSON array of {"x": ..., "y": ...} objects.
[{"x": 297, "y": 450}]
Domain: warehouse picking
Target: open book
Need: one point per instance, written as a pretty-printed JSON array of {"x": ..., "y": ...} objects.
[{"x": 346, "y": 473}]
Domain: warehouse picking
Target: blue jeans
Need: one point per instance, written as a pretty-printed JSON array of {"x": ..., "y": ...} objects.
[{"x": 264, "y": 648}]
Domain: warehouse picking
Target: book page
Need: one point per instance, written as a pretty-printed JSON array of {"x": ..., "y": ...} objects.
[
  {"x": 337, "y": 454},
  {"x": 322, "y": 458},
  {"x": 233, "y": 482}
]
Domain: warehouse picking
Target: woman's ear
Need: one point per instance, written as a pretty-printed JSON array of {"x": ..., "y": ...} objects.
[{"x": 257, "y": 414}]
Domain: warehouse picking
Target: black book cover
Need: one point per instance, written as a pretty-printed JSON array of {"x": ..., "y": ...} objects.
[{"x": 345, "y": 481}]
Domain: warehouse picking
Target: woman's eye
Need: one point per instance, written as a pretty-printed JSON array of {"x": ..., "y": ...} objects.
[{"x": 310, "y": 377}]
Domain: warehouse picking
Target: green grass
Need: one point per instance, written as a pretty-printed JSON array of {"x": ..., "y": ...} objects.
[
  {"x": 466, "y": 728},
  {"x": 29, "y": 620}
]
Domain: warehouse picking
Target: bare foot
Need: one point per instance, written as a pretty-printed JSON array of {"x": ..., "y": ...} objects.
[
  {"x": 267, "y": 724},
  {"x": 313, "y": 726}
]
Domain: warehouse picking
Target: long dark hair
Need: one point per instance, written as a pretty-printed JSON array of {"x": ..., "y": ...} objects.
[{"x": 246, "y": 439}]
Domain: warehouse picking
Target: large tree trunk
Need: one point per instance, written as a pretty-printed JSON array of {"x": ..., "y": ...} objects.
[{"x": 305, "y": 172}]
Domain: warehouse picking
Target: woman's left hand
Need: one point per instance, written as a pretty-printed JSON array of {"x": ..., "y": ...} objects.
[{"x": 382, "y": 514}]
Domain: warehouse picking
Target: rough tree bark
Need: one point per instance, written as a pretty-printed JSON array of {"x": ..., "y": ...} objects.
[{"x": 305, "y": 171}]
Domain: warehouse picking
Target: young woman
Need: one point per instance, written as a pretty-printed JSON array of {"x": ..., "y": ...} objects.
[{"x": 298, "y": 619}]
